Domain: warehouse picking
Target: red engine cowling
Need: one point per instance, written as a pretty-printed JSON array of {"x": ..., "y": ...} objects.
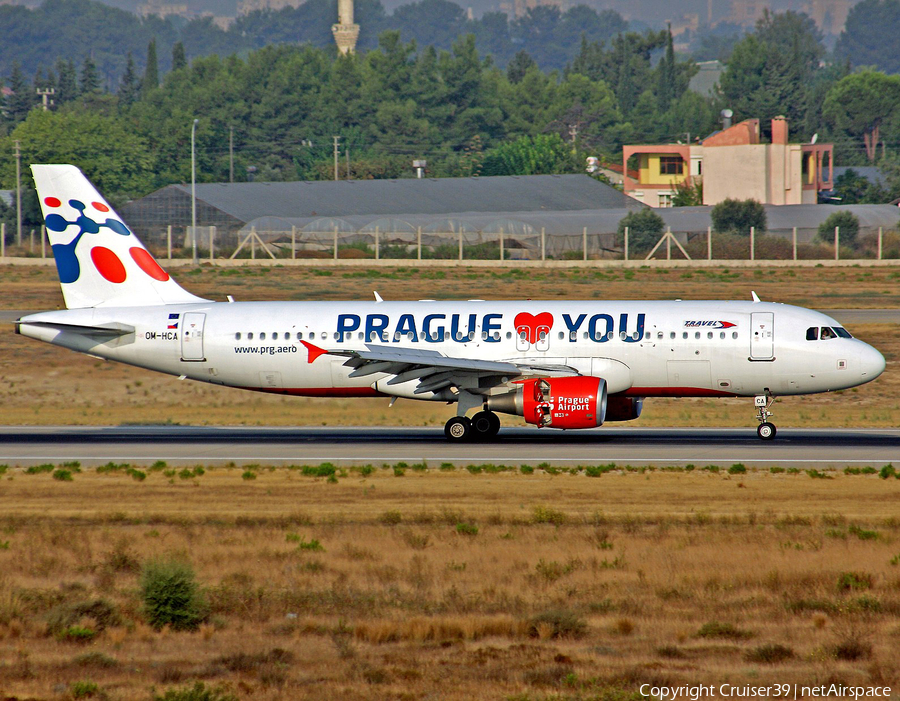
[{"x": 556, "y": 402}]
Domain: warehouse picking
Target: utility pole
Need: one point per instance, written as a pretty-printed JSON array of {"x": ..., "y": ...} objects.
[
  {"x": 336, "y": 151},
  {"x": 44, "y": 93},
  {"x": 231, "y": 154},
  {"x": 347, "y": 154},
  {"x": 18, "y": 194}
]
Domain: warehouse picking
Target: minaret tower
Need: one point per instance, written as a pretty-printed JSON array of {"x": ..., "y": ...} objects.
[{"x": 345, "y": 32}]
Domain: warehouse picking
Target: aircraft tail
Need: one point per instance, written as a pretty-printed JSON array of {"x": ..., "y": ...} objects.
[{"x": 99, "y": 260}]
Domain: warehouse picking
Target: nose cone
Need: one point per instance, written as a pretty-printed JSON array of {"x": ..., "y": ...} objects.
[{"x": 871, "y": 363}]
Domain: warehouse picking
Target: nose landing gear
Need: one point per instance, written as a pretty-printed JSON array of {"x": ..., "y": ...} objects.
[{"x": 766, "y": 430}]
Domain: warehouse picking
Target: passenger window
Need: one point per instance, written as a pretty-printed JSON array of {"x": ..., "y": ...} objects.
[
  {"x": 672, "y": 335},
  {"x": 659, "y": 334},
  {"x": 360, "y": 336},
  {"x": 337, "y": 336},
  {"x": 734, "y": 334},
  {"x": 697, "y": 335},
  {"x": 827, "y": 333},
  {"x": 324, "y": 335},
  {"x": 508, "y": 335},
  {"x": 561, "y": 335},
  {"x": 299, "y": 335},
  {"x": 622, "y": 335},
  {"x": 396, "y": 336},
  {"x": 250, "y": 336},
  {"x": 722, "y": 335},
  {"x": 684, "y": 335},
  {"x": 812, "y": 333},
  {"x": 262, "y": 336},
  {"x": 647, "y": 336},
  {"x": 237, "y": 336},
  {"x": 543, "y": 336},
  {"x": 709, "y": 334}
]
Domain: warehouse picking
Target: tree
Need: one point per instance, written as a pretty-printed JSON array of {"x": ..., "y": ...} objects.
[
  {"x": 688, "y": 193},
  {"x": 67, "y": 82},
  {"x": 129, "y": 86},
  {"x": 107, "y": 149},
  {"x": 151, "y": 72},
  {"x": 22, "y": 99},
  {"x": 871, "y": 35},
  {"x": 770, "y": 71},
  {"x": 859, "y": 104},
  {"x": 90, "y": 81},
  {"x": 179, "y": 59},
  {"x": 849, "y": 228},
  {"x": 542, "y": 155},
  {"x": 853, "y": 188},
  {"x": 738, "y": 216},
  {"x": 644, "y": 228},
  {"x": 519, "y": 66},
  {"x": 666, "y": 75}
]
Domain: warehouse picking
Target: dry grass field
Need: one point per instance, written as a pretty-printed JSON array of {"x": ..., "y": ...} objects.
[
  {"x": 485, "y": 583},
  {"x": 40, "y": 384}
]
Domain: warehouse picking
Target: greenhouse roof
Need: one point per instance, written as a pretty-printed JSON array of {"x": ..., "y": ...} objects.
[{"x": 342, "y": 198}]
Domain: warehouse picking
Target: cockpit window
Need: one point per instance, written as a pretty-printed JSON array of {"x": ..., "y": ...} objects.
[
  {"x": 827, "y": 333},
  {"x": 812, "y": 333},
  {"x": 842, "y": 332}
]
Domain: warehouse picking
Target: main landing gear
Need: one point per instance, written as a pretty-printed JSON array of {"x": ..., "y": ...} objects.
[
  {"x": 766, "y": 430},
  {"x": 483, "y": 426}
]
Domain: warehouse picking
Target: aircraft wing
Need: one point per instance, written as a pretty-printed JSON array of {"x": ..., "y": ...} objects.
[{"x": 436, "y": 371}]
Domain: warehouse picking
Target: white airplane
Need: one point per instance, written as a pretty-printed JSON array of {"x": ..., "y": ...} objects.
[{"x": 560, "y": 364}]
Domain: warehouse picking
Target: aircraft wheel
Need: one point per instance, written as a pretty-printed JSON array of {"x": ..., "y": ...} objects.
[
  {"x": 485, "y": 425},
  {"x": 458, "y": 429},
  {"x": 766, "y": 431}
]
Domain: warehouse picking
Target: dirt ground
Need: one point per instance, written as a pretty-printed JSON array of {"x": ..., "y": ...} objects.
[
  {"x": 461, "y": 584},
  {"x": 40, "y": 384}
]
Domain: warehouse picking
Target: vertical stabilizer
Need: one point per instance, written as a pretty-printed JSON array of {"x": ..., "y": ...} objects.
[{"x": 99, "y": 260}]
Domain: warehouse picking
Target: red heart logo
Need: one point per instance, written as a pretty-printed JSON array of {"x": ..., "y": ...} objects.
[{"x": 532, "y": 325}]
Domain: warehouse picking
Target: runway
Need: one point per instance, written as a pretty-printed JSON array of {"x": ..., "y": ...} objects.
[{"x": 803, "y": 448}]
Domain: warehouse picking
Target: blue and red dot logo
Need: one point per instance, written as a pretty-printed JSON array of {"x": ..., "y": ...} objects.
[{"x": 107, "y": 263}]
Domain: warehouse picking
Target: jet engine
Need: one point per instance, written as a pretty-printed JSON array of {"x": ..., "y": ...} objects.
[
  {"x": 556, "y": 402},
  {"x": 623, "y": 408}
]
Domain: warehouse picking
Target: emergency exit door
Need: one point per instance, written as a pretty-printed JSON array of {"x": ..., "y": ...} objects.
[
  {"x": 762, "y": 336},
  {"x": 192, "y": 324}
]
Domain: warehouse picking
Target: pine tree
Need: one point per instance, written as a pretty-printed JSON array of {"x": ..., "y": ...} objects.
[
  {"x": 151, "y": 73},
  {"x": 129, "y": 87},
  {"x": 67, "y": 85},
  {"x": 19, "y": 104},
  {"x": 666, "y": 75},
  {"x": 90, "y": 81},
  {"x": 179, "y": 59}
]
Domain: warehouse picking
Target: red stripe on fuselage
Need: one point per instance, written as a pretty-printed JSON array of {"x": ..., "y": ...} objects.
[
  {"x": 674, "y": 392},
  {"x": 320, "y": 391}
]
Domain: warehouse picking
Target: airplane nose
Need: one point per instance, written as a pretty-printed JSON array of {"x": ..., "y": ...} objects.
[{"x": 871, "y": 363}]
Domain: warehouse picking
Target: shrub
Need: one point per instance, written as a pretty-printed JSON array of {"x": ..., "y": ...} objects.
[
  {"x": 198, "y": 692},
  {"x": 558, "y": 623},
  {"x": 862, "y": 533},
  {"x": 737, "y": 216},
  {"x": 73, "y": 615},
  {"x": 171, "y": 595},
  {"x": 770, "y": 654},
  {"x": 644, "y": 228},
  {"x": 544, "y": 514},
  {"x": 737, "y": 469},
  {"x": 849, "y": 224},
  {"x": 84, "y": 689},
  {"x": 248, "y": 475},
  {"x": 854, "y": 581},
  {"x": 466, "y": 529},
  {"x": 77, "y": 634},
  {"x": 887, "y": 472},
  {"x": 62, "y": 475},
  {"x": 715, "y": 629},
  {"x": 391, "y": 518},
  {"x": 38, "y": 469}
]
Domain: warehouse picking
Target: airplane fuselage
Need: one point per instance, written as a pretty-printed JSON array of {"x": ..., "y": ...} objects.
[{"x": 641, "y": 349}]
